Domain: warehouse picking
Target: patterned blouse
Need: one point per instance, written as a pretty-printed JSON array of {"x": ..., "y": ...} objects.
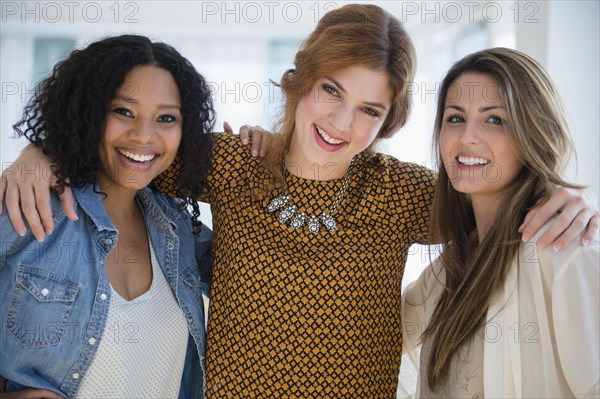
[{"x": 297, "y": 314}]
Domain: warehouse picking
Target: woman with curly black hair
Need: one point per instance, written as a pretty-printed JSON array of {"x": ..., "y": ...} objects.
[{"x": 112, "y": 306}]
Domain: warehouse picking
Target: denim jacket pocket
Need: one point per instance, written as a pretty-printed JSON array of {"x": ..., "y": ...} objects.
[{"x": 41, "y": 303}]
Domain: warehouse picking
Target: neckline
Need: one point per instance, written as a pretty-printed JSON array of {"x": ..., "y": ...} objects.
[{"x": 150, "y": 292}]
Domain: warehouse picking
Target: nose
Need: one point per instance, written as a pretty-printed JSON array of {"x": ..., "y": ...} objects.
[
  {"x": 470, "y": 133},
  {"x": 142, "y": 131},
  {"x": 341, "y": 117}
]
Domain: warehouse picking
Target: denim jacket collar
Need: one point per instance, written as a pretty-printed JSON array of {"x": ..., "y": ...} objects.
[{"x": 90, "y": 199}]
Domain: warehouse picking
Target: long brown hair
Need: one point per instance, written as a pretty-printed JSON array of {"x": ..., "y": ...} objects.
[
  {"x": 354, "y": 34},
  {"x": 475, "y": 272}
]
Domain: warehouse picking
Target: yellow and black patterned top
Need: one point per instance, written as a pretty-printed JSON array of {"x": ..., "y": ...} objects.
[{"x": 295, "y": 314}]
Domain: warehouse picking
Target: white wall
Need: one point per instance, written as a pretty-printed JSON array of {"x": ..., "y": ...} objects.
[{"x": 565, "y": 40}]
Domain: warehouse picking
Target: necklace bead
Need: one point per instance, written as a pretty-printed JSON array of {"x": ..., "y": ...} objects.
[{"x": 289, "y": 210}]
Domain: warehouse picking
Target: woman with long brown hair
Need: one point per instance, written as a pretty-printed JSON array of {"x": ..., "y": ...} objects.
[{"x": 498, "y": 317}]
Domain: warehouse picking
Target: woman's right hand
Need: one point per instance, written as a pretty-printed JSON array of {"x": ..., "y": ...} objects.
[{"x": 25, "y": 185}]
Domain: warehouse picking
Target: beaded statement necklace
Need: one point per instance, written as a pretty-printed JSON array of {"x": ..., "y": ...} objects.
[{"x": 289, "y": 211}]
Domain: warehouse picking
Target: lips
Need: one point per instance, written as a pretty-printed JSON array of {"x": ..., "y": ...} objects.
[
  {"x": 138, "y": 158},
  {"x": 472, "y": 161},
  {"x": 327, "y": 138}
]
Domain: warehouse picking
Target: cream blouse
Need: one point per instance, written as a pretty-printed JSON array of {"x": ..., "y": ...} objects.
[{"x": 541, "y": 338}]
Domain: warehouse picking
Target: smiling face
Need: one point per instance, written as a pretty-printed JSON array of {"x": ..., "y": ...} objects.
[
  {"x": 474, "y": 140},
  {"x": 339, "y": 118},
  {"x": 143, "y": 130}
]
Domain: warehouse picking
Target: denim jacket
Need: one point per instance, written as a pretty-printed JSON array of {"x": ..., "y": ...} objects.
[{"x": 54, "y": 295}]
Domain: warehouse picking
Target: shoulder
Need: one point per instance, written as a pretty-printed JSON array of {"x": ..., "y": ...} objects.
[
  {"x": 229, "y": 155},
  {"x": 170, "y": 208},
  {"x": 562, "y": 261},
  {"x": 403, "y": 173},
  {"x": 407, "y": 185},
  {"x": 11, "y": 241},
  {"x": 429, "y": 283},
  {"x": 228, "y": 146},
  {"x": 233, "y": 166},
  {"x": 6, "y": 226}
]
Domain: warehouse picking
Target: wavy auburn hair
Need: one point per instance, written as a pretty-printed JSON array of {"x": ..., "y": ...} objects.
[{"x": 355, "y": 34}]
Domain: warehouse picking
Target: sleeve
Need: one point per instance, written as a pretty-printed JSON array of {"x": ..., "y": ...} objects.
[
  {"x": 418, "y": 300},
  {"x": 11, "y": 242},
  {"x": 9, "y": 239},
  {"x": 576, "y": 316},
  {"x": 228, "y": 160},
  {"x": 203, "y": 253},
  {"x": 413, "y": 188}
]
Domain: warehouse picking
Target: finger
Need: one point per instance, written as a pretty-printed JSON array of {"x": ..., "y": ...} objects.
[
  {"x": 257, "y": 136},
  {"x": 542, "y": 213},
  {"x": 14, "y": 209},
  {"x": 227, "y": 127},
  {"x": 28, "y": 206},
  {"x": 526, "y": 221},
  {"x": 592, "y": 233},
  {"x": 265, "y": 144},
  {"x": 10, "y": 173},
  {"x": 245, "y": 134},
  {"x": 68, "y": 204},
  {"x": 564, "y": 229},
  {"x": 42, "y": 204}
]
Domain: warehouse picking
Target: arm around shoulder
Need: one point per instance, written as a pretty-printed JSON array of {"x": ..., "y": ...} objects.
[{"x": 413, "y": 189}]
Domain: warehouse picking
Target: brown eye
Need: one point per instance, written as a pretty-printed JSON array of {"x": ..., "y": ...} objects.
[
  {"x": 371, "y": 112},
  {"x": 167, "y": 118},
  {"x": 496, "y": 120},
  {"x": 329, "y": 89},
  {"x": 454, "y": 119}
]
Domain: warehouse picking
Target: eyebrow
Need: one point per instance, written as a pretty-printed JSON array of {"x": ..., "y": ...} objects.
[
  {"x": 339, "y": 85},
  {"x": 482, "y": 109},
  {"x": 131, "y": 100}
]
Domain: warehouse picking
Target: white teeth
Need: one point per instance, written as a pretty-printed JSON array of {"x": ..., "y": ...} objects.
[
  {"x": 137, "y": 157},
  {"x": 471, "y": 161},
  {"x": 328, "y": 138}
]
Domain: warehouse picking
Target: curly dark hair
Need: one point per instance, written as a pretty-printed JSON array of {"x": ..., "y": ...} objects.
[{"x": 70, "y": 106}]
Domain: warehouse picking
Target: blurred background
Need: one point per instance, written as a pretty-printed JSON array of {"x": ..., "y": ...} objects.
[{"x": 240, "y": 46}]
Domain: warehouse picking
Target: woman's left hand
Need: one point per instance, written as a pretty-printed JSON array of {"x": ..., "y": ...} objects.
[
  {"x": 578, "y": 213},
  {"x": 258, "y": 138}
]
